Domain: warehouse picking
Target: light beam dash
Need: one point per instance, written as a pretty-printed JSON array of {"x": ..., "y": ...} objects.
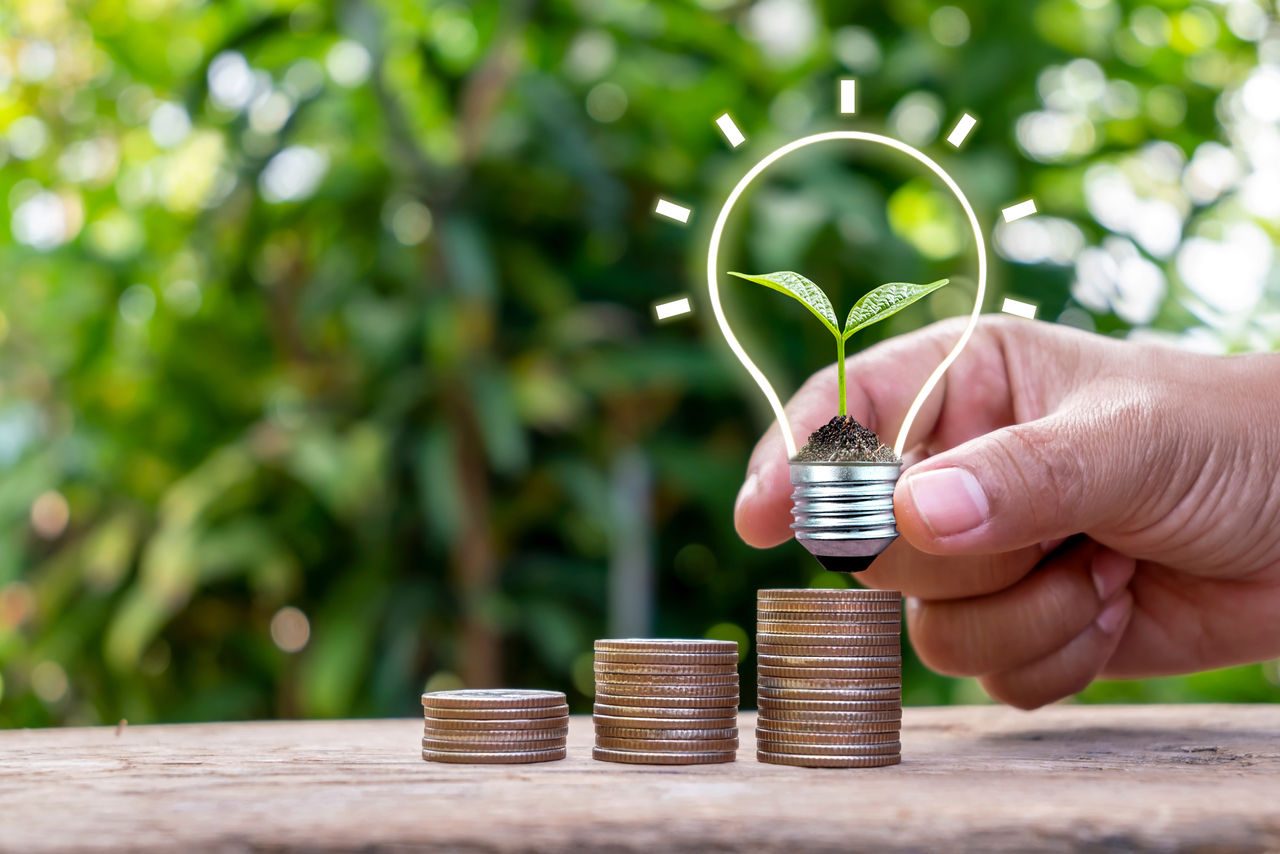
[
  {"x": 730, "y": 130},
  {"x": 848, "y": 96},
  {"x": 672, "y": 308},
  {"x": 671, "y": 210},
  {"x": 1020, "y": 210},
  {"x": 1019, "y": 308},
  {"x": 960, "y": 132}
]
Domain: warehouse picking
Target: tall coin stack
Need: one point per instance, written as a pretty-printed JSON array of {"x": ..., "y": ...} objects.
[
  {"x": 494, "y": 726},
  {"x": 666, "y": 702},
  {"x": 830, "y": 678}
]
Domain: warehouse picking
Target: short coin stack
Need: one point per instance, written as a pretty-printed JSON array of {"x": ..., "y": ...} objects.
[
  {"x": 830, "y": 677},
  {"x": 666, "y": 702},
  {"x": 494, "y": 726}
]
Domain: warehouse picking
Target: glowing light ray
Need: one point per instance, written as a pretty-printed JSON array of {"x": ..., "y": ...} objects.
[
  {"x": 1018, "y": 308},
  {"x": 713, "y": 286},
  {"x": 961, "y": 131},
  {"x": 1021, "y": 210},
  {"x": 672, "y": 211},
  {"x": 674, "y": 308},
  {"x": 732, "y": 133}
]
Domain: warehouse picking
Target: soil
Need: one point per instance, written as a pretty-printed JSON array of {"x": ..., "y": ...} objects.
[{"x": 844, "y": 440}]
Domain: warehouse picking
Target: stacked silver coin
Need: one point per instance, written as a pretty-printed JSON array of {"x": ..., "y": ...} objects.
[
  {"x": 830, "y": 677},
  {"x": 666, "y": 702},
  {"x": 498, "y": 726}
]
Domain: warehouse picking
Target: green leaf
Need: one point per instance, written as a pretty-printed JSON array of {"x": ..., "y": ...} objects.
[
  {"x": 799, "y": 288},
  {"x": 886, "y": 301}
]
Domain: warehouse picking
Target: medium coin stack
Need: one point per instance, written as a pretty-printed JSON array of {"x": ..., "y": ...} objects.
[
  {"x": 666, "y": 702},
  {"x": 830, "y": 678},
  {"x": 494, "y": 727}
]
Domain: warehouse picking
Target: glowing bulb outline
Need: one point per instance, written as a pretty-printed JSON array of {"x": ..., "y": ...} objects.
[{"x": 713, "y": 286}]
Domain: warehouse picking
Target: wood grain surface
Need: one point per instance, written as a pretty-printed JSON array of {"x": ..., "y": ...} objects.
[{"x": 1158, "y": 778}]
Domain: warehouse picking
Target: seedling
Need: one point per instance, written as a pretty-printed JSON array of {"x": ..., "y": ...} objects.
[{"x": 874, "y": 306}]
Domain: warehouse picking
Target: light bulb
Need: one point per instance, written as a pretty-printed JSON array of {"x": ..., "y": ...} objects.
[{"x": 843, "y": 511}]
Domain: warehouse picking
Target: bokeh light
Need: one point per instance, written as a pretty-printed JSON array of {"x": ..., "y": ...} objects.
[{"x": 290, "y": 629}]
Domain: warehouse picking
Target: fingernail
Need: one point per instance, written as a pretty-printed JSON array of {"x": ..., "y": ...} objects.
[
  {"x": 749, "y": 489},
  {"x": 913, "y": 606},
  {"x": 950, "y": 501},
  {"x": 1114, "y": 615},
  {"x": 1111, "y": 571}
]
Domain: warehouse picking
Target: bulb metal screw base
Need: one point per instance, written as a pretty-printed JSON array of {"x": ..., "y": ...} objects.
[{"x": 844, "y": 511}]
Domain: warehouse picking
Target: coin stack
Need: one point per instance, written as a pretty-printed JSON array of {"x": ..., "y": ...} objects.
[
  {"x": 830, "y": 678},
  {"x": 666, "y": 702},
  {"x": 494, "y": 727}
]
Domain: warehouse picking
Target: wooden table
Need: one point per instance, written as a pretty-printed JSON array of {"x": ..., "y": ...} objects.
[{"x": 1070, "y": 777}]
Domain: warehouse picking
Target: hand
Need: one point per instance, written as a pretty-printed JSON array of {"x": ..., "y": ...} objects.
[{"x": 1074, "y": 506}]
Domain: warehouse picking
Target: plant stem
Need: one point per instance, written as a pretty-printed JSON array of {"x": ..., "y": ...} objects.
[{"x": 840, "y": 374}]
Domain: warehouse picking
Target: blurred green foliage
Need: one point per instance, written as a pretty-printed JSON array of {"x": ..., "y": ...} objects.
[{"x": 326, "y": 342}]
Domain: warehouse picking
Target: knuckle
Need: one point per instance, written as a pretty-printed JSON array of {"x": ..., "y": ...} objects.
[{"x": 1124, "y": 406}]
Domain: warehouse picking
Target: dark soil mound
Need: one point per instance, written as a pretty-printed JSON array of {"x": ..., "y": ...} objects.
[{"x": 844, "y": 440}]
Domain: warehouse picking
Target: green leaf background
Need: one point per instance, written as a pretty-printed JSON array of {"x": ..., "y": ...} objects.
[{"x": 345, "y": 308}]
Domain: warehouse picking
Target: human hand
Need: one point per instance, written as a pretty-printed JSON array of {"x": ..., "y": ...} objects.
[{"x": 1071, "y": 506}]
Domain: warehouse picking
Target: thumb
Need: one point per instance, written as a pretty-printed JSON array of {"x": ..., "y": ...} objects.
[{"x": 1018, "y": 486}]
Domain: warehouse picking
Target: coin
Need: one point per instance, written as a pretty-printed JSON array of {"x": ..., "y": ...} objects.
[
  {"x": 828, "y": 595},
  {"x": 828, "y": 761},
  {"x": 622, "y": 732},
  {"x": 668, "y": 745},
  {"x": 497, "y": 714},
  {"x": 636, "y": 757},
  {"x": 657, "y": 682},
  {"x": 666, "y": 669},
  {"x": 845, "y": 610},
  {"x": 451, "y": 746},
  {"x": 840, "y": 630},
  {"x": 827, "y": 721},
  {"x": 869, "y": 703},
  {"x": 826, "y": 684},
  {"x": 892, "y": 693},
  {"x": 826, "y": 605},
  {"x": 659, "y": 722},
  {"x": 888, "y": 731},
  {"x": 519, "y": 736},
  {"x": 851, "y": 619},
  {"x": 721, "y": 658},
  {"x": 818, "y": 662},
  {"x": 852, "y": 656},
  {"x": 851, "y": 749},
  {"x": 610, "y": 698},
  {"x": 492, "y": 698},
  {"x": 829, "y": 598},
  {"x": 837, "y": 610},
  {"x": 495, "y": 758},
  {"x": 782, "y": 705},
  {"x": 877, "y": 617},
  {"x": 786, "y": 672},
  {"x": 505, "y": 724},
  {"x": 665, "y": 645},
  {"x": 656, "y": 690},
  {"x": 772, "y": 639},
  {"x": 663, "y": 712}
]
